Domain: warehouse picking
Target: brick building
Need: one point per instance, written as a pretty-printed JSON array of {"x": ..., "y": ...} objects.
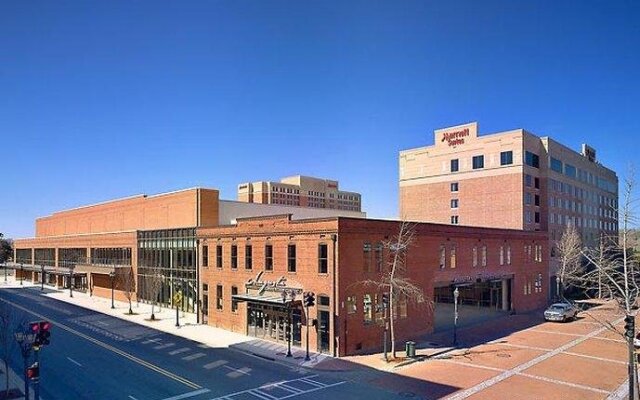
[
  {"x": 303, "y": 191},
  {"x": 511, "y": 179}
]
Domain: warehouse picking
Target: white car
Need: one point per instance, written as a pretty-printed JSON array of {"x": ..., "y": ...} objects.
[{"x": 560, "y": 312}]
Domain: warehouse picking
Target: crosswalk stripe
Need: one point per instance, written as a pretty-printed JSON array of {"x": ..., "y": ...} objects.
[
  {"x": 178, "y": 351},
  {"x": 193, "y": 357}
]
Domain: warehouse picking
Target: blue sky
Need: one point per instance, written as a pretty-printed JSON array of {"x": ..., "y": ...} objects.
[{"x": 105, "y": 99}]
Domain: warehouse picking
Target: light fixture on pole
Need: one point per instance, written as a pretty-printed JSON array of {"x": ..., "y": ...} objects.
[{"x": 112, "y": 275}]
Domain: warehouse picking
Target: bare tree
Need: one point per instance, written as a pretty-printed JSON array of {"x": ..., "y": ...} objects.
[
  {"x": 154, "y": 284},
  {"x": 569, "y": 249},
  {"x": 127, "y": 284},
  {"x": 393, "y": 279}
]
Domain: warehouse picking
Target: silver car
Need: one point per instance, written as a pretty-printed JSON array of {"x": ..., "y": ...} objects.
[{"x": 560, "y": 312}]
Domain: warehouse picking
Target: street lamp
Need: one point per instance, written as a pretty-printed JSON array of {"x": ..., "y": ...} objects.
[
  {"x": 456, "y": 293},
  {"x": 71, "y": 280},
  {"x": 287, "y": 299},
  {"x": 112, "y": 275}
]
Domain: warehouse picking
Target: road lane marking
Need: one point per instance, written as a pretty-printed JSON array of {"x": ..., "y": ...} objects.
[
  {"x": 163, "y": 346},
  {"x": 243, "y": 370},
  {"x": 151, "y": 341},
  {"x": 193, "y": 357},
  {"x": 187, "y": 395},
  {"x": 74, "y": 361},
  {"x": 178, "y": 351},
  {"x": 132, "y": 398},
  {"x": 214, "y": 364},
  {"x": 522, "y": 367},
  {"x": 260, "y": 393},
  {"x": 106, "y": 346}
]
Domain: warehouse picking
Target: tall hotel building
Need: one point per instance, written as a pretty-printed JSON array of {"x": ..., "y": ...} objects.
[
  {"x": 303, "y": 191},
  {"x": 511, "y": 179}
]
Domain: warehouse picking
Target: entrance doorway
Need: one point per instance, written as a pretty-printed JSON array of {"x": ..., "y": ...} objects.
[
  {"x": 323, "y": 331},
  {"x": 270, "y": 322}
]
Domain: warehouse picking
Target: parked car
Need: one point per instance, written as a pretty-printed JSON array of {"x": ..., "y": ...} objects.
[{"x": 560, "y": 312}]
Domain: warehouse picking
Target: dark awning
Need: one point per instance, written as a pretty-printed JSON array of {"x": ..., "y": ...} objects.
[{"x": 275, "y": 299}]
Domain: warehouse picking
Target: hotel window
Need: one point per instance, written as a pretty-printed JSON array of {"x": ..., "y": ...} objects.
[
  {"x": 234, "y": 256},
  {"x": 234, "y": 302},
  {"x": 527, "y": 198},
  {"x": 506, "y": 157},
  {"x": 205, "y": 256},
  {"x": 508, "y": 254},
  {"x": 366, "y": 254},
  {"x": 367, "y": 309},
  {"x": 527, "y": 180},
  {"x": 536, "y": 217},
  {"x": 219, "y": 297},
  {"x": 291, "y": 258},
  {"x": 570, "y": 170},
  {"x": 527, "y": 217},
  {"x": 454, "y": 203},
  {"x": 453, "y": 256},
  {"x": 378, "y": 252},
  {"x": 477, "y": 162},
  {"x": 536, "y": 200},
  {"x": 474, "y": 256},
  {"x": 443, "y": 256},
  {"x": 454, "y": 186},
  {"x": 454, "y": 165},
  {"x": 454, "y": 220},
  {"x": 531, "y": 159},
  {"x": 248, "y": 257},
  {"x": 484, "y": 255},
  {"x": 268, "y": 257},
  {"x": 219, "y": 256},
  {"x": 556, "y": 165},
  {"x": 351, "y": 305},
  {"x": 501, "y": 255},
  {"x": 536, "y": 183},
  {"x": 323, "y": 262}
]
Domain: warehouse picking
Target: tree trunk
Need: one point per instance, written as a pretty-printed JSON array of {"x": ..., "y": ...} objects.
[
  {"x": 153, "y": 315},
  {"x": 391, "y": 322}
]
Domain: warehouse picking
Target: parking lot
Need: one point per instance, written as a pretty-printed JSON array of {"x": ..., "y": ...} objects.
[{"x": 582, "y": 359}]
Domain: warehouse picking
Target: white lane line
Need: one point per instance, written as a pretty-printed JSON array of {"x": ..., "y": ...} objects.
[
  {"x": 243, "y": 370},
  {"x": 520, "y": 368},
  {"x": 575, "y": 385},
  {"x": 314, "y": 389},
  {"x": 261, "y": 395},
  {"x": 178, "y": 351},
  {"x": 193, "y": 357},
  {"x": 132, "y": 398},
  {"x": 163, "y": 346},
  {"x": 289, "y": 388},
  {"x": 187, "y": 395},
  {"x": 74, "y": 361},
  {"x": 214, "y": 364}
]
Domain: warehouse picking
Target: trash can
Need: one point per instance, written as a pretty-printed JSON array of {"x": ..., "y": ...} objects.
[{"x": 410, "y": 349}]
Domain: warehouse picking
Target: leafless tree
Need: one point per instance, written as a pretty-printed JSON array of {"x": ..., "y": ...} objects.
[
  {"x": 127, "y": 284},
  {"x": 154, "y": 284},
  {"x": 569, "y": 249},
  {"x": 393, "y": 279}
]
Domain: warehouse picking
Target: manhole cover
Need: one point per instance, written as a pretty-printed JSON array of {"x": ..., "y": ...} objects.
[{"x": 503, "y": 355}]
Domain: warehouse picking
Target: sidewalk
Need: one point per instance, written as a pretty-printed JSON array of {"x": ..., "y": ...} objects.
[
  {"x": 16, "y": 384},
  {"x": 190, "y": 329}
]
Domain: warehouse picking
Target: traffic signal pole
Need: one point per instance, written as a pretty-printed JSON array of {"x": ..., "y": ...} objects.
[{"x": 36, "y": 381}]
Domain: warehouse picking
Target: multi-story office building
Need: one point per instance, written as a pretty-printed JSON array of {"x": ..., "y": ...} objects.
[
  {"x": 511, "y": 179},
  {"x": 300, "y": 191}
]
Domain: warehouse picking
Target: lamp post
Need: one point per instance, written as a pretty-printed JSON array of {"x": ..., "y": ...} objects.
[
  {"x": 25, "y": 341},
  {"x": 42, "y": 279},
  {"x": 385, "y": 320},
  {"x": 287, "y": 299},
  {"x": 71, "y": 280},
  {"x": 558, "y": 287},
  {"x": 456, "y": 293},
  {"x": 177, "y": 299},
  {"x": 112, "y": 275},
  {"x": 21, "y": 274}
]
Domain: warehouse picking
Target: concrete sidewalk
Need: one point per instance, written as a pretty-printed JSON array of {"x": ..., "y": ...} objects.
[
  {"x": 190, "y": 329},
  {"x": 16, "y": 384}
]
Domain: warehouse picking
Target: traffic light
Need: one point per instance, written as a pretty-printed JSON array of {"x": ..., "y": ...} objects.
[
  {"x": 33, "y": 372},
  {"x": 309, "y": 299},
  {"x": 44, "y": 332},
  {"x": 629, "y": 326}
]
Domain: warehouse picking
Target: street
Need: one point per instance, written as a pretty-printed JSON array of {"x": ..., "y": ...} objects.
[{"x": 95, "y": 356}]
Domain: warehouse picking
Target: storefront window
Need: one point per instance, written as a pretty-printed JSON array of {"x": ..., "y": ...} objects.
[{"x": 367, "y": 309}]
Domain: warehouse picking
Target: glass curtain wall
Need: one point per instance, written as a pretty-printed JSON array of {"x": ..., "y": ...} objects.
[{"x": 168, "y": 259}]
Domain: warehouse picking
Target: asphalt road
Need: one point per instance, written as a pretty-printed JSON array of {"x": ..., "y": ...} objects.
[{"x": 95, "y": 356}]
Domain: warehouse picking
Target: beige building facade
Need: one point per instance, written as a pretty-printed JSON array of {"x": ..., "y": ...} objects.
[{"x": 302, "y": 191}]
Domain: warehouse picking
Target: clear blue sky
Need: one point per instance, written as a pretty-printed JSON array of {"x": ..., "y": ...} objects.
[{"x": 104, "y": 99}]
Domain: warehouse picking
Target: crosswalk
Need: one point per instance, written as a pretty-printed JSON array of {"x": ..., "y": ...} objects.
[{"x": 283, "y": 389}]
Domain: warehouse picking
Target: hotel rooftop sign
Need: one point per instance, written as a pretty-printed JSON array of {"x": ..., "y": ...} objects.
[{"x": 457, "y": 135}]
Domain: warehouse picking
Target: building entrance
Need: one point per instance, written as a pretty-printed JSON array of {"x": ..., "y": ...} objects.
[{"x": 270, "y": 322}]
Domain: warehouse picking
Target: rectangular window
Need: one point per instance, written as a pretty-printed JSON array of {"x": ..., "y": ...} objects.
[
  {"x": 570, "y": 170},
  {"x": 378, "y": 251},
  {"x": 484, "y": 255},
  {"x": 527, "y": 180},
  {"x": 527, "y": 198},
  {"x": 477, "y": 162},
  {"x": 454, "y": 203},
  {"x": 531, "y": 159},
  {"x": 219, "y": 297},
  {"x": 268, "y": 257},
  {"x": 351, "y": 305},
  {"x": 536, "y": 200},
  {"x": 454, "y": 220},
  {"x": 508, "y": 254},
  {"x": 454, "y": 165},
  {"x": 248, "y": 257},
  {"x": 234, "y": 256},
  {"x": 454, "y": 186},
  {"x": 474, "y": 256},
  {"x": 291, "y": 258},
  {"x": 323, "y": 261},
  {"x": 234, "y": 302},
  {"x": 506, "y": 157},
  {"x": 556, "y": 165},
  {"x": 367, "y": 308},
  {"x": 366, "y": 254},
  {"x": 219, "y": 256},
  {"x": 536, "y": 217},
  {"x": 501, "y": 255},
  {"x": 453, "y": 256},
  {"x": 443, "y": 256},
  {"x": 536, "y": 183},
  {"x": 205, "y": 256}
]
